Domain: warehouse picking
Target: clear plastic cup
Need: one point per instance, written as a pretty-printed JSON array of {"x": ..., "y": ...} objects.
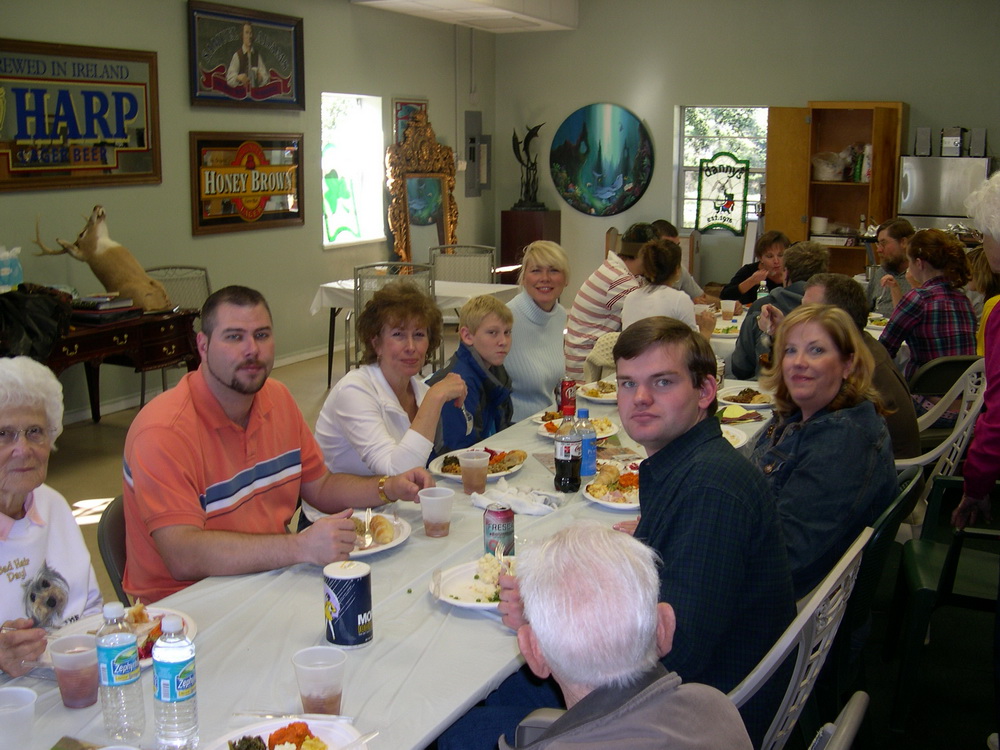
[
  {"x": 728, "y": 309},
  {"x": 17, "y": 717},
  {"x": 319, "y": 671},
  {"x": 474, "y": 467},
  {"x": 435, "y": 507},
  {"x": 74, "y": 658}
]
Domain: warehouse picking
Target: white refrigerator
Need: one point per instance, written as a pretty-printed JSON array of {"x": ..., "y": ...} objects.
[{"x": 933, "y": 189}]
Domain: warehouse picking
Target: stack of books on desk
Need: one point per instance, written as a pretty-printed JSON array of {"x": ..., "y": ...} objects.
[{"x": 100, "y": 309}]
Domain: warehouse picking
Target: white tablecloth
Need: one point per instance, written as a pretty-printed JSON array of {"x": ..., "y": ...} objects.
[
  {"x": 448, "y": 294},
  {"x": 428, "y": 663}
]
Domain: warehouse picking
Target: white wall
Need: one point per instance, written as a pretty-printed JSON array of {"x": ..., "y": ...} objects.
[
  {"x": 652, "y": 56},
  {"x": 347, "y": 49}
]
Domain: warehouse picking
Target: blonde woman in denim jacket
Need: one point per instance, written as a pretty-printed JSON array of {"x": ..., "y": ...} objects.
[{"x": 827, "y": 453}]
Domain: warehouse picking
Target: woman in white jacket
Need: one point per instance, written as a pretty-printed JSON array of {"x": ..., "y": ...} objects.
[{"x": 381, "y": 418}]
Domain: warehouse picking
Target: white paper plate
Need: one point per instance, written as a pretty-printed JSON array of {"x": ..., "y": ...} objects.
[
  {"x": 435, "y": 468},
  {"x": 717, "y": 335},
  {"x": 601, "y": 434},
  {"x": 91, "y": 623},
  {"x": 725, "y": 394},
  {"x": 457, "y": 588},
  {"x": 334, "y": 733},
  {"x": 403, "y": 530},
  {"x": 736, "y": 438},
  {"x": 605, "y": 398},
  {"x": 607, "y": 503}
]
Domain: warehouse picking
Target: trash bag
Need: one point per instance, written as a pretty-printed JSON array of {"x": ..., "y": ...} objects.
[{"x": 32, "y": 318}]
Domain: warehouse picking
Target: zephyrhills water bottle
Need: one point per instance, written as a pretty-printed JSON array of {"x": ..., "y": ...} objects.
[
  {"x": 175, "y": 701},
  {"x": 567, "y": 454},
  {"x": 588, "y": 442},
  {"x": 762, "y": 290},
  {"x": 118, "y": 661}
]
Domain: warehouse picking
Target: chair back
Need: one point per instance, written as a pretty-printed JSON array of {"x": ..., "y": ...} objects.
[
  {"x": 811, "y": 636},
  {"x": 111, "y": 543},
  {"x": 600, "y": 357},
  {"x": 371, "y": 277},
  {"x": 934, "y": 378},
  {"x": 970, "y": 390},
  {"x": 187, "y": 286},
  {"x": 612, "y": 241},
  {"x": 463, "y": 263}
]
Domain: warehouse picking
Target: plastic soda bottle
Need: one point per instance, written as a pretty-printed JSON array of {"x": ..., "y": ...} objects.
[
  {"x": 588, "y": 442},
  {"x": 118, "y": 664},
  {"x": 175, "y": 701},
  {"x": 568, "y": 449}
]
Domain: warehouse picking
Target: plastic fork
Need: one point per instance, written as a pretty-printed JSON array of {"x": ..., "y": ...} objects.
[
  {"x": 468, "y": 420},
  {"x": 368, "y": 538}
]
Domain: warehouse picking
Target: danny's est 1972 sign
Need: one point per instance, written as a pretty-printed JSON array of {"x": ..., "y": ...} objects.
[{"x": 73, "y": 116}]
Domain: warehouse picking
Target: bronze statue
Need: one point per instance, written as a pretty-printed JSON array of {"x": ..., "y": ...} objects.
[{"x": 529, "y": 171}]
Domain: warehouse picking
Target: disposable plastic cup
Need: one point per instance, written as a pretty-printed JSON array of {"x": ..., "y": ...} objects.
[
  {"x": 74, "y": 658},
  {"x": 474, "y": 466},
  {"x": 435, "y": 507},
  {"x": 319, "y": 671},
  {"x": 728, "y": 308},
  {"x": 17, "y": 717}
]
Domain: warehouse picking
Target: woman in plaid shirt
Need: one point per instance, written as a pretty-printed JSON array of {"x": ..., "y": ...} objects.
[{"x": 934, "y": 318}]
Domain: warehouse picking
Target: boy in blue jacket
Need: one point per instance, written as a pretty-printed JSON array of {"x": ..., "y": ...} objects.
[{"x": 484, "y": 328}]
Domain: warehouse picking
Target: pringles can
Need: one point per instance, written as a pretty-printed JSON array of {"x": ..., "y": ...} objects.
[{"x": 347, "y": 609}]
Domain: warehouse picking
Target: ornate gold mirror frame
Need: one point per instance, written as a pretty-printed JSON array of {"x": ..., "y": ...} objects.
[{"x": 421, "y": 181}]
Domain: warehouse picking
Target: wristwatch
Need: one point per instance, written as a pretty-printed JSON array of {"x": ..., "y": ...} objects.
[{"x": 381, "y": 490}]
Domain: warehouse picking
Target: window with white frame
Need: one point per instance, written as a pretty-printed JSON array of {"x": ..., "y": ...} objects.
[
  {"x": 706, "y": 131},
  {"x": 353, "y": 171}
]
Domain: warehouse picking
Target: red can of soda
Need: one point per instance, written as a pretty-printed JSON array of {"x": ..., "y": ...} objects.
[
  {"x": 567, "y": 395},
  {"x": 498, "y": 529}
]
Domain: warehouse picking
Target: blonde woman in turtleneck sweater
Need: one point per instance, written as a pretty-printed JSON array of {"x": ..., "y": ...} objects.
[{"x": 535, "y": 363}]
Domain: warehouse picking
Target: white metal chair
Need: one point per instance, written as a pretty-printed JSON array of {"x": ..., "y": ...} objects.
[
  {"x": 187, "y": 287},
  {"x": 840, "y": 734},
  {"x": 368, "y": 279},
  {"x": 969, "y": 390},
  {"x": 463, "y": 263},
  {"x": 810, "y": 635},
  {"x": 600, "y": 360}
]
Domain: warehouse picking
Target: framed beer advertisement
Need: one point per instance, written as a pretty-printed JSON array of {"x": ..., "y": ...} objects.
[
  {"x": 245, "y": 58},
  {"x": 244, "y": 181},
  {"x": 73, "y": 116}
]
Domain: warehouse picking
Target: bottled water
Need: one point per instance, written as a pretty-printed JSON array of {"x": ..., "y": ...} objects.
[
  {"x": 588, "y": 443},
  {"x": 175, "y": 701},
  {"x": 567, "y": 453},
  {"x": 118, "y": 662},
  {"x": 762, "y": 290}
]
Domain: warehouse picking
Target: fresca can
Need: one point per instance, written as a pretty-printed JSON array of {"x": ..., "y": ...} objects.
[
  {"x": 567, "y": 395},
  {"x": 498, "y": 529},
  {"x": 347, "y": 609}
]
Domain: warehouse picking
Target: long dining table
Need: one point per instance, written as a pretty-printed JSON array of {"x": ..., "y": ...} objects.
[
  {"x": 449, "y": 295},
  {"x": 428, "y": 662}
]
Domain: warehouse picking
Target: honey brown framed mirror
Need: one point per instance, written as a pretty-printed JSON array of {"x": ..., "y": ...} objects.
[{"x": 421, "y": 182}]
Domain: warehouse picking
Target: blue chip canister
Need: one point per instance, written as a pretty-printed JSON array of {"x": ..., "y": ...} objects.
[{"x": 347, "y": 608}]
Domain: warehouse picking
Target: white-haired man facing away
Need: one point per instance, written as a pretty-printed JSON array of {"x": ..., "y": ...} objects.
[{"x": 591, "y": 596}]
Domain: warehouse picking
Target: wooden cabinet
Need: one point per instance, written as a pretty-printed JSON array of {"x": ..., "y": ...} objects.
[
  {"x": 521, "y": 228},
  {"x": 795, "y": 135}
]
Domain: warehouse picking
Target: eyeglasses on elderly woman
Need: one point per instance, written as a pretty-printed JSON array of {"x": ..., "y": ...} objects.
[{"x": 35, "y": 434}]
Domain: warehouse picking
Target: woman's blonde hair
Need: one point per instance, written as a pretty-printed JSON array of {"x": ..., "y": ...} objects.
[
  {"x": 544, "y": 253},
  {"x": 857, "y": 386}
]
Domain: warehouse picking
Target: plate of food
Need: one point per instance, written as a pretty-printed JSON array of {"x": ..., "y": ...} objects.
[
  {"x": 877, "y": 322},
  {"x": 330, "y": 734},
  {"x": 746, "y": 397},
  {"x": 502, "y": 464},
  {"x": 601, "y": 391},
  {"x": 726, "y": 330},
  {"x": 387, "y": 532},
  {"x": 471, "y": 585},
  {"x": 145, "y": 621},
  {"x": 548, "y": 416},
  {"x": 736, "y": 438},
  {"x": 615, "y": 486},
  {"x": 604, "y": 427}
]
